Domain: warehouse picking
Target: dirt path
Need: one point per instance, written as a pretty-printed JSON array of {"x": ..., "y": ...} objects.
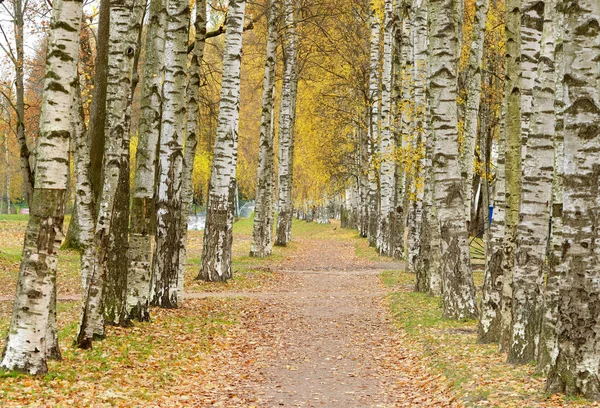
[{"x": 322, "y": 339}]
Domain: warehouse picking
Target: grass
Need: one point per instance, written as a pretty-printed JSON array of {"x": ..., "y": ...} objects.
[{"x": 478, "y": 373}]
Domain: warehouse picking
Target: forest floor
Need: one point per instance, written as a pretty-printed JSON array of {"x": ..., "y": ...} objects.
[{"x": 324, "y": 322}]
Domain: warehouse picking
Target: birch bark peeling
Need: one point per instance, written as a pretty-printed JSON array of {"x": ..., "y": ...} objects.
[
  {"x": 26, "y": 345},
  {"x": 457, "y": 277},
  {"x": 216, "y": 251},
  {"x": 262, "y": 233}
]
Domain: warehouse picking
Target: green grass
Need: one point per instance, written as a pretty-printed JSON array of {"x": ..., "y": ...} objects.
[
  {"x": 14, "y": 217},
  {"x": 477, "y": 373}
]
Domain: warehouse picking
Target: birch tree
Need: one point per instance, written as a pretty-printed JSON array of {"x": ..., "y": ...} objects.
[
  {"x": 532, "y": 230},
  {"x": 142, "y": 203},
  {"x": 386, "y": 144},
  {"x": 373, "y": 121},
  {"x": 26, "y": 345},
  {"x": 420, "y": 125},
  {"x": 262, "y": 240},
  {"x": 458, "y": 288},
  {"x": 576, "y": 368},
  {"x": 191, "y": 136},
  {"x": 489, "y": 326},
  {"x": 16, "y": 56},
  {"x": 165, "y": 262},
  {"x": 287, "y": 111},
  {"x": 115, "y": 286},
  {"x": 548, "y": 347},
  {"x": 512, "y": 128},
  {"x": 473, "y": 100},
  {"x": 124, "y": 17},
  {"x": 216, "y": 251}
]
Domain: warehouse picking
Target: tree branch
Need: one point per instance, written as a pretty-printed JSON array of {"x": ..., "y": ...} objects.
[{"x": 221, "y": 30}]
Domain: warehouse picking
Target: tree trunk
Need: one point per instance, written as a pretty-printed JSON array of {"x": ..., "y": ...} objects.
[
  {"x": 191, "y": 137},
  {"x": 457, "y": 277},
  {"x": 165, "y": 261},
  {"x": 124, "y": 18},
  {"x": 262, "y": 233},
  {"x": 512, "y": 127},
  {"x": 27, "y": 343},
  {"x": 6, "y": 175},
  {"x": 27, "y": 159},
  {"x": 491, "y": 299},
  {"x": 363, "y": 179},
  {"x": 216, "y": 251},
  {"x": 548, "y": 347},
  {"x": 386, "y": 144},
  {"x": 287, "y": 112},
  {"x": 420, "y": 127},
  {"x": 98, "y": 106},
  {"x": 538, "y": 171},
  {"x": 473, "y": 100},
  {"x": 575, "y": 371},
  {"x": 142, "y": 203},
  {"x": 373, "y": 121}
]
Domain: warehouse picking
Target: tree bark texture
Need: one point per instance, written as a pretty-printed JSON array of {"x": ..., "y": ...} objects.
[
  {"x": 575, "y": 371},
  {"x": 121, "y": 53},
  {"x": 166, "y": 291},
  {"x": 457, "y": 277},
  {"x": 512, "y": 127},
  {"x": 262, "y": 233},
  {"x": 287, "y": 113},
  {"x": 216, "y": 251},
  {"x": 142, "y": 203},
  {"x": 386, "y": 143},
  {"x": 27, "y": 343},
  {"x": 532, "y": 230}
]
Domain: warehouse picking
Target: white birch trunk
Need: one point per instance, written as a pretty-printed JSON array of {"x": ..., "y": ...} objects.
[
  {"x": 491, "y": 298},
  {"x": 373, "y": 120},
  {"x": 420, "y": 126},
  {"x": 121, "y": 53},
  {"x": 26, "y": 345},
  {"x": 166, "y": 291},
  {"x": 408, "y": 137},
  {"x": 386, "y": 143},
  {"x": 575, "y": 371},
  {"x": 191, "y": 137},
  {"x": 457, "y": 277},
  {"x": 548, "y": 347},
  {"x": 142, "y": 205},
  {"x": 532, "y": 230},
  {"x": 6, "y": 175},
  {"x": 286, "y": 125},
  {"x": 216, "y": 252},
  {"x": 114, "y": 294},
  {"x": 512, "y": 129},
  {"x": 262, "y": 233},
  {"x": 473, "y": 100}
]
